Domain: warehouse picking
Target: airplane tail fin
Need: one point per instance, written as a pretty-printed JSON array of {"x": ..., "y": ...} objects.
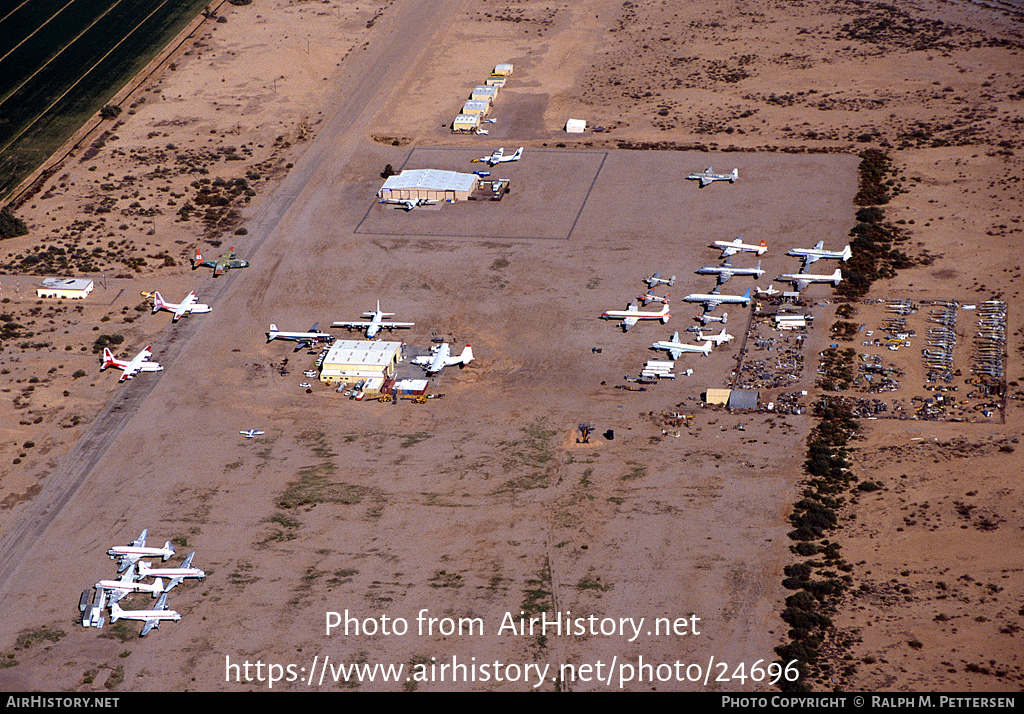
[
  {"x": 466, "y": 357},
  {"x": 169, "y": 547},
  {"x": 725, "y": 316},
  {"x": 763, "y": 244},
  {"x": 108, "y": 359},
  {"x": 197, "y": 260},
  {"x": 706, "y": 349},
  {"x": 273, "y": 332},
  {"x": 734, "y": 175},
  {"x": 518, "y": 154},
  {"x": 837, "y": 277},
  {"x": 115, "y": 612},
  {"x": 847, "y": 253},
  {"x": 672, "y": 281},
  {"x": 746, "y": 295},
  {"x": 158, "y": 302},
  {"x": 158, "y": 586}
]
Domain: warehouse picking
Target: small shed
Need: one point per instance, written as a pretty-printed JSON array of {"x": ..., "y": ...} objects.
[
  {"x": 504, "y": 70},
  {"x": 476, "y": 106},
  {"x": 65, "y": 288},
  {"x": 484, "y": 93},
  {"x": 717, "y": 396},
  {"x": 466, "y": 122},
  {"x": 743, "y": 399},
  {"x": 576, "y": 126},
  {"x": 495, "y": 80}
]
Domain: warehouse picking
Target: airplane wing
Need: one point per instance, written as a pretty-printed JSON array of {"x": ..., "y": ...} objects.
[
  {"x": 801, "y": 284},
  {"x": 140, "y": 542},
  {"x": 150, "y": 624},
  {"x": 705, "y": 180},
  {"x": 127, "y": 561},
  {"x": 394, "y": 325},
  {"x": 219, "y": 268},
  {"x": 628, "y": 322},
  {"x": 115, "y": 595},
  {"x": 722, "y": 277},
  {"x": 808, "y": 259},
  {"x": 188, "y": 559},
  {"x": 675, "y": 354},
  {"x": 172, "y": 583},
  {"x": 353, "y": 324},
  {"x": 161, "y": 604}
]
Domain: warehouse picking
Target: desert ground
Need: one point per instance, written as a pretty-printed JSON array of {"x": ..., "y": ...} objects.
[{"x": 269, "y": 132}]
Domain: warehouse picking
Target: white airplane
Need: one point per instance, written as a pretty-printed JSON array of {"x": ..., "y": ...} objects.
[
  {"x": 92, "y": 614},
  {"x": 802, "y": 280},
  {"x": 708, "y": 175},
  {"x": 631, "y": 315},
  {"x": 732, "y": 247},
  {"x": 375, "y": 323},
  {"x": 714, "y": 299},
  {"x": 127, "y": 584},
  {"x": 152, "y": 618},
  {"x": 130, "y": 554},
  {"x": 129, "y": 368},
  {"x": 442, "y": 357},
  {"x": 705, "y": 318},
  {"x": 410, "y": 203},
  {"x": 718, "y": 339},
  {"x": 175, "y": 575},
  {"x": 484, "y": 132},
  {"x": 811, "y": 255},
  {"x": 650, "y": 297},
  {"x": 726, "y": 271},
  {"x": 188, "y": 306},
  {"x": 251, "y": 433},
  {"x": 656, "y": 279},
  {"x": 304, "y": 339},
  {"x": 771, "y": 290},
  {"x": 498, "y": 157},
  {"x": 677, "y": 348}
]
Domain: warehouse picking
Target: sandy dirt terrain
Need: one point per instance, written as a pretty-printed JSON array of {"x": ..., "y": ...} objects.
[{"x": 269, "y": 132}]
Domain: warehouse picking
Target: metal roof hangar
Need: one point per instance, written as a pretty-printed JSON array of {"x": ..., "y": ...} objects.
[
  {"x": 431, "y": 184},
  {"x": 351, "y": 360}
]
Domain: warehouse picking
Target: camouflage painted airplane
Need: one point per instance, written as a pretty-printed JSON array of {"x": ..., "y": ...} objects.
[{"x": 219, "y": 265}]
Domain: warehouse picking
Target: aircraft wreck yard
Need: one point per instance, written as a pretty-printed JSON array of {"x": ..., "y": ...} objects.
[{"x": 426, "y": 535}]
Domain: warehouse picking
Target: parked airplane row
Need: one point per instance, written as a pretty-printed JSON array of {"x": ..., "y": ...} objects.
[{"x": 108, "y": 593}]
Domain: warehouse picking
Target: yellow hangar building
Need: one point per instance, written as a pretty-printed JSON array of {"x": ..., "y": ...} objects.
[
  {"x": 429, "y": 184},
  {"x": 353, "y": 360}
]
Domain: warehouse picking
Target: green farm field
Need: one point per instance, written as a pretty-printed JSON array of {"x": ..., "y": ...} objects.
[{"x": 61, "y": 60}]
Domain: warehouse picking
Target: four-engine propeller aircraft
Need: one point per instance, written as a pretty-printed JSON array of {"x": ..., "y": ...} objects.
[
  {"x": 442, "y": 357},
  {"x": 718, "y": 339},
  {"x": 175, "y": 575},
  {"x": 631, "y": 315},
  {"x": 375, "y": 323},
  {"x": 651, "y": 297},
  {"x": 656, "y": 279},
  {"x": 714, "y": 299},
  {"x": 732, "y": 247},
  {"x": 677, "y": 348},
  {"x": 227, "y": 261},
  {"x": 498, "y": 157},
  {"x": 130, "y": 554},
  {"x": 708, "y": 175},
  {"x": 304, "y": 339},
  {"x": 188, "y": 306},
  {"x": 128, "y": 584},
  {"x": 802, "y": 280},
  {"x": 706, "y": 318},
  {"x": 252, "y": 433},
  {"x": 811, "y": 255},
  {"x": 129, "y": 368},
  {"x": 152, "y": 618},
  {"x": 726, "y": 271}
]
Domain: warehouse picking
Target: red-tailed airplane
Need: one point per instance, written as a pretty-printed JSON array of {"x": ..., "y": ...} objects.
[
  {"x": 188, "y": 306},
  {"x": 129, "y": 368},
  {"x": 631, "y": 315}
]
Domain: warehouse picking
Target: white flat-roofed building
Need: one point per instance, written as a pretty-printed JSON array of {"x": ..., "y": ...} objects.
[
  {"x": 495, "y": 80},
  {"x": 352, "y": 360},
  {"x": 430, "y": 184},
  {"x": 65, "y": 288},
  {"x": 476, "y": 106},
  {"x": 576, "y": 126},
  {"x": 466, "y": 122},
  {"x": 503, "y": 69},
  {"x": 484, "y": 93}
]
